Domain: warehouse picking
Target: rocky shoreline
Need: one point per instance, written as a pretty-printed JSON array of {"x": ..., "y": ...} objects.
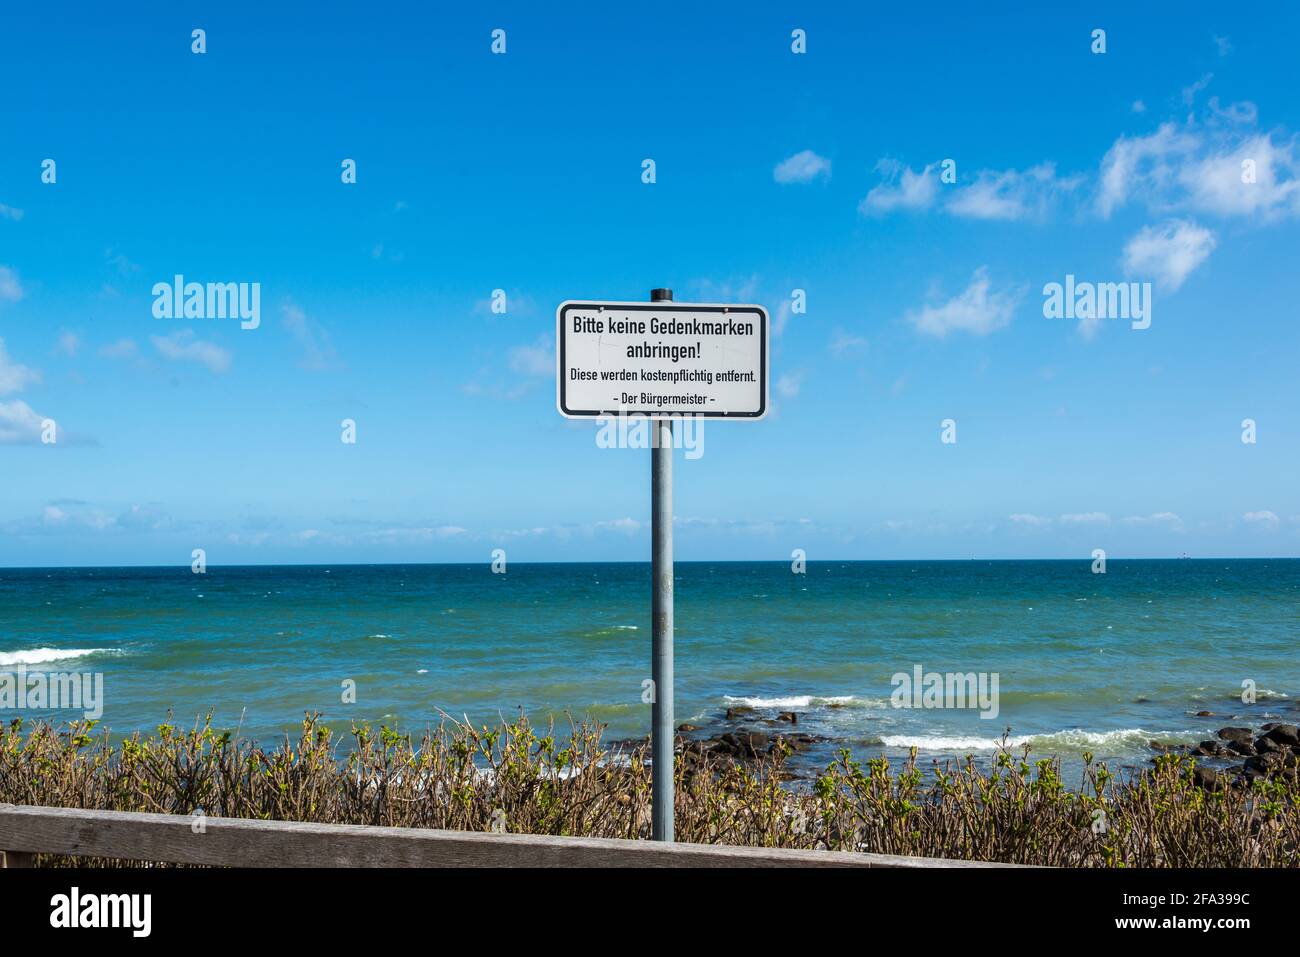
[
  {"x": 1273, "y": 750},
  {"x": 742, "y": 734},
  {"x": 1235, "y": 757}
]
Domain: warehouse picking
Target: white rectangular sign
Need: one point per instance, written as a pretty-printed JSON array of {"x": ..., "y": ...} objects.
[{"x": 661, "y": 358}]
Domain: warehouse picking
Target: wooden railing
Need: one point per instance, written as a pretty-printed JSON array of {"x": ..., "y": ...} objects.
[{"x": 239, "y": 842}]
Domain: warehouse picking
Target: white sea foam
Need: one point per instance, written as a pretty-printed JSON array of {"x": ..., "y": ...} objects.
[
  {"x": 42, "y": 656},
  {"x": 1073, "y": 739},
  {"x": 804, "y": 701}
]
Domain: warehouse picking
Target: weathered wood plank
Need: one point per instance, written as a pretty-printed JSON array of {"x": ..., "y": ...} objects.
[{"x": 240, "y": 842}]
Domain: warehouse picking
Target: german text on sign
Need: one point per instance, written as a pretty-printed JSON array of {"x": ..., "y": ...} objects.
[{"x": 662, "y": 359}]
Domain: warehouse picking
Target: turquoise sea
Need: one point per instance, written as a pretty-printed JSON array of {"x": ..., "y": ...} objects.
[{"x": 1085, "y": 662}]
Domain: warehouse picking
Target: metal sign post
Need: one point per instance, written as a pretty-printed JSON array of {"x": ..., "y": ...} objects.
[
  {"x": 661, "y": 617},
  {"x": 658, "y": 360}
]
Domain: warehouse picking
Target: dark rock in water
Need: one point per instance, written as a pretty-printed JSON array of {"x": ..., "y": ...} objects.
[
  {"x": 1241, "y": 747},
  {"x": 1205, "y": 714},
  {"x": 788, "y": 716},
  {"x": 1263, "y": 763},
  {"x": 1141, "y": 700},
  {"x": 683, "y": 728},
  {"x": 1207, "y": 778},
  {"x": 1286, "y": 734},
  {"x": 1265, "y": 745},
  {"x": 738, "y": 711},
  {"x": 1210, "y": 749},
  {"x": 1235, "y": 734},
  {"x": 740, "y": 744}
]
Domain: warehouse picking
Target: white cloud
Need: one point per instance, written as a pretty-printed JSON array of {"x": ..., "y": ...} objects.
[
  {"x": 11, "y": 289},
  {"x": 1086, "y": 518},
  {"x": 628, "y": 526},
  {"x": 979, "y": 309},
  {"x": 1205, "y": 167},
  {"x": 788, "y": 385},
  {"x": 803, "y": 167},
  {"x": 842, "y": 343},
  {"x": 902, "y": 189},
  {"x": 411, "y": 536},
  {"x": 783, "y": 312},
  {"x": 142, "y": 517},
  {"x": 728, "y": 290},
  {"x": 1011, "y": 194},
  {"x": 1139, "y": 106},
  {"x": 1166, "y": 519},
  {"x": 1168, "y": 252},
  {"x": 9, "y": 212},
  {"x": 68, "y": 344},
  {"x": 182, "y": 346},
  {"x": 535, "y": 360},
  {"x": 1266, "y": 519},
  {"x": 122, "y": 349},
  {"x": 1032, "y": 521},
  {"x": 13, "y": 376},
  {"x": 317, "y": 350},
  {"x": 19, "y": 423},
  {"x": 1008, "y": 194},
  {"x": 1190, "y": 92}
]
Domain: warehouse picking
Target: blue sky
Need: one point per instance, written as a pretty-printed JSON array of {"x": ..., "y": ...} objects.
[{"x": 523, "y": 172}]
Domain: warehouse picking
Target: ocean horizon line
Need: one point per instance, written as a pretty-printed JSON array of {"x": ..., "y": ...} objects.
[
  {"x": 646, "y": 562},
  {"x": 679, "y": 561}
]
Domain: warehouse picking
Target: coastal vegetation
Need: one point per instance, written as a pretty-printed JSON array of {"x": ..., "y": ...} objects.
[{"x": 520, "y": 778}]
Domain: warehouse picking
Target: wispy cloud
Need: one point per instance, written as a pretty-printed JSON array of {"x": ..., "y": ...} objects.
[
  {"x": 843, "y": 343},
  {"x": 11, "y": 288},
  {"x": 902, "y": 189},
  {"x": 14, "y": 377},
  {"x": 183, "y": 346},
  {"x": 802, "y": 167},
  {"x": 1191, "y": 92},
  {"x": 19, "y": 423},
  {"x": 68, "y": 344},
  {"x": 1264, "y": 519},
  {"x": 1012, "y": 194},
  {"x": 316, "y": 350},
  {"x": 1008, "y": 194},
  {"x": 1169, "y": 252},
  {"x": 978, "y": 310},
  {"x": 121, "y": 349},
  {"x": 1220, "y": 165},
  {"x": 1085, "y": 518},
  {"x": 1167, "y": 520},
  {"x": 1029, "y": 520},
  {"x": 537, "y": 359}
]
